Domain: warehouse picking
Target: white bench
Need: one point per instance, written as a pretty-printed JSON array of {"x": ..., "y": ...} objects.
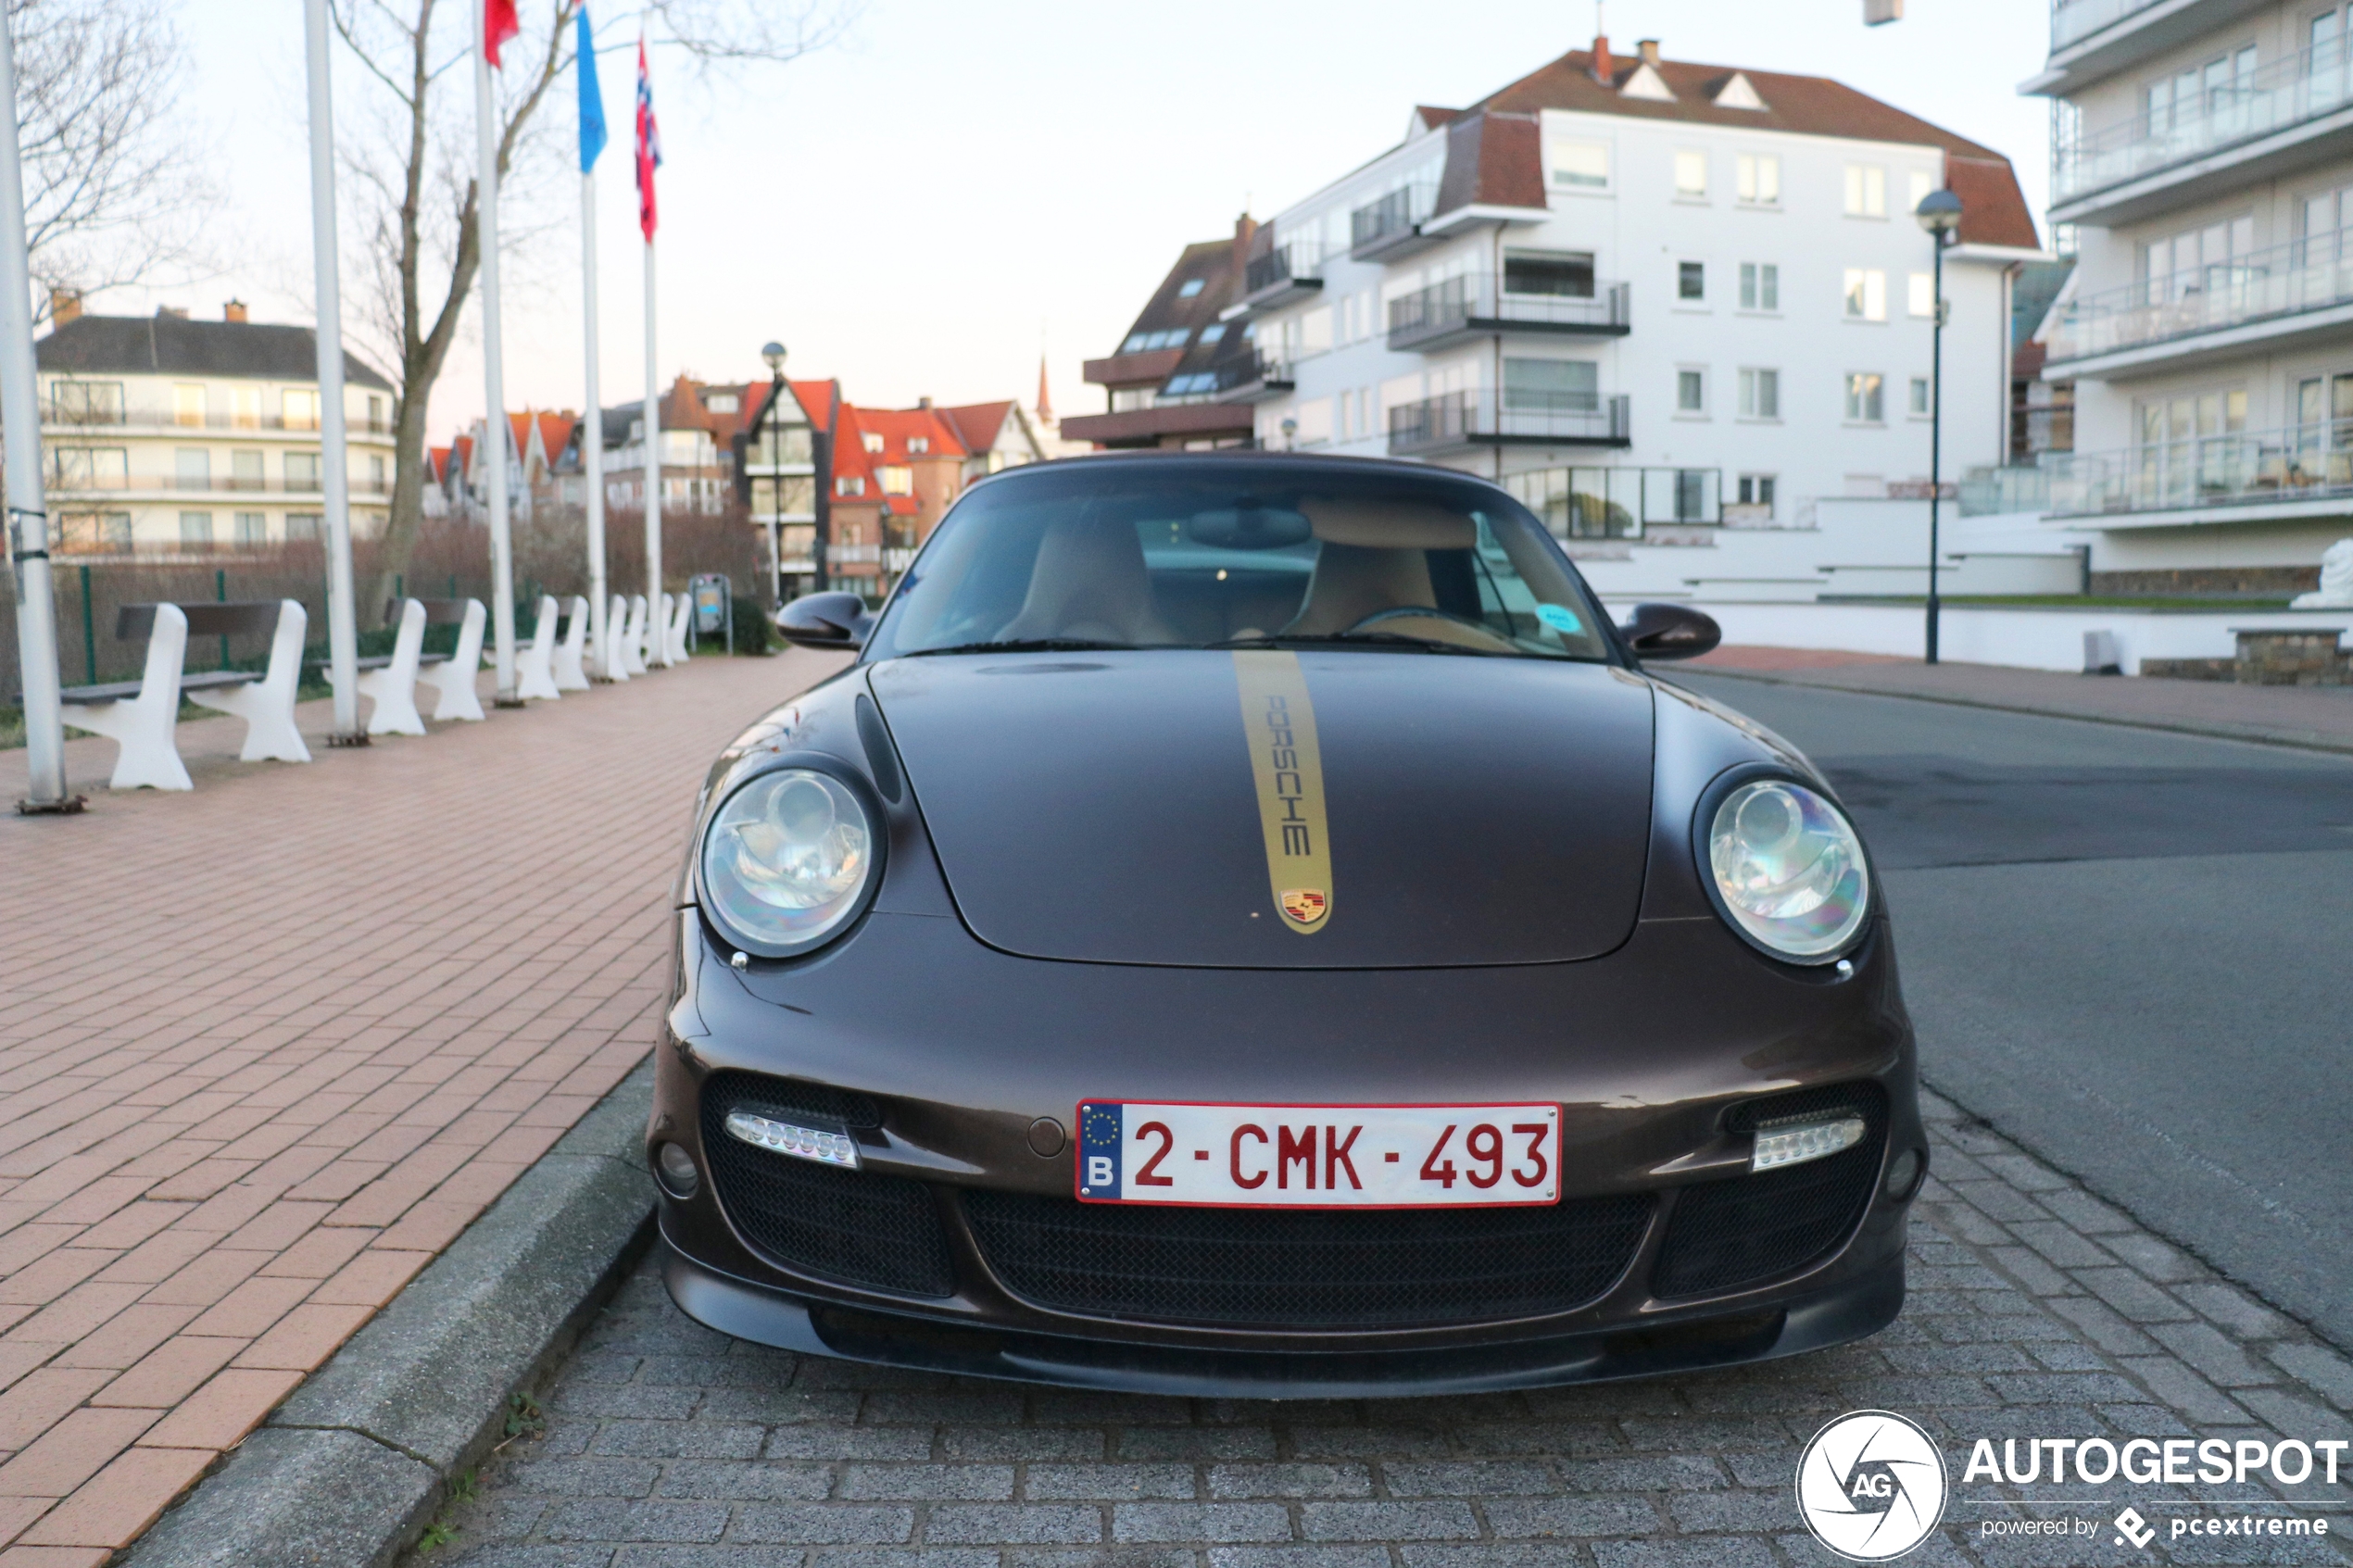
[
  {"x": 536, "y": 669},
  {"x": 632, "y": 640},
  {"x": 454, "y": 677},
  {"x": 613, "y": 661},
  {"x": 682, "y": 610},
  {"x": 389, "y": 681},
  {"x": 142, "y": 717},
  {"x": 571, "y": 671}
]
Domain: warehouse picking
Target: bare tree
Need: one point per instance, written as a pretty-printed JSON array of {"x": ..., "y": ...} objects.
[
  {"x": 112, "y": 193},
  {"x": 415, "y": 183}
]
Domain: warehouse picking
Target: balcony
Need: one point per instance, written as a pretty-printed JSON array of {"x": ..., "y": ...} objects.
[
  {"x": 1477, "y": 306},
  {"x": 1390, "y": 229},
  {"x": 1619, "y": 503},
  {"x": 68, "y": 482},
  {"x": 66, "y": 417},
  {"x": 2256, "y": 126},
  {"x": 2300, "y": 470},
  {"x": 1291, "y": 271},
  {"x": 2268, "y": 297},
  {"x": 1254, "y": 380},
  {"x": 1461, "y": 420}
]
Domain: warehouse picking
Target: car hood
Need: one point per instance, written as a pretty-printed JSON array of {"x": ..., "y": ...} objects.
[{"x": 1114, "y": 806}]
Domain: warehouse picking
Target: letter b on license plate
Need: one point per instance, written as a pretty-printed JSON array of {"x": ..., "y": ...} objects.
[{"x": 1318, "y": 1156}]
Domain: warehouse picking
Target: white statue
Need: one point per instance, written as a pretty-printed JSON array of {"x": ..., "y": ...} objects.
[{"x": 2336, "y": 580}]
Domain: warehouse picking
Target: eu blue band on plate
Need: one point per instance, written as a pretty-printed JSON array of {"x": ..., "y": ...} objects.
[
  {"x": 1102, "y": 1128},
  {"x": 1559, "y": 619}
]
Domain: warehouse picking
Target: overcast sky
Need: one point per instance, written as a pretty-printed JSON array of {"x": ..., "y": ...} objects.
[{"x": 918, "y": 210}]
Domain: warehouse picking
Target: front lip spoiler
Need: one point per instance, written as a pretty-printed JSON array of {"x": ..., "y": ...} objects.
[{"x": 1851, "y": 1311}]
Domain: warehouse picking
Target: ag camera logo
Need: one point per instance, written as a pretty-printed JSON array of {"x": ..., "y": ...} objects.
[{"x": 1870, "y": 1486}]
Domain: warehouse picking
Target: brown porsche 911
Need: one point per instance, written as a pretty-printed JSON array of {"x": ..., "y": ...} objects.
[{"x": 1249, "y": 925}]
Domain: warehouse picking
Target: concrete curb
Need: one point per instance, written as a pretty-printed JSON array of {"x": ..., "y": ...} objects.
[
  {"x": 2299, "y": 740},
  {"x": 349, "y": 1469}
]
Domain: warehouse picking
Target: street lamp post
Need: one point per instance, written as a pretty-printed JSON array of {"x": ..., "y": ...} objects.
[
  {"x": 1291, "y": 434},
  {"x": 1940, "y": 214},
  {"x": 773, "y": 353}
]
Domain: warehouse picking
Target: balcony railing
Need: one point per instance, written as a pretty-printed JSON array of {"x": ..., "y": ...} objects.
[
  {"x": 78, "y": 415},
  {"x": 1475, "y": 418},
  {"x": 1256, "y": 376},
  {"x": 2307, "y": 85},
  {"x": 1476, "y": 303},
  {"x": 2289, "y": 280},
  {"x": 68, "y": 482},
  {"x": 1618, "y": 503},
  {"x": 1296, "y": 259},
  {"x": 2073, "y": 20},
  {"x": 1378, "y": 226},
  {"x": 2242, "y": 468}
]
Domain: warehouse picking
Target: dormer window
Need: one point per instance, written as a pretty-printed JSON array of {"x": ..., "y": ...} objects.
[
  {"x": 918, "y": 444},
  {"x": 1647, "y": 83},
  {"x": 1191, "y": 287},
  {"x": 871, "y": 442},
  {"x": 1738, "y": 92},
  {"x": 722, "y": 403}
]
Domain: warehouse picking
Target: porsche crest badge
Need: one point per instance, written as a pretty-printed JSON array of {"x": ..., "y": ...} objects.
[{"x": 1304, "y": 905}]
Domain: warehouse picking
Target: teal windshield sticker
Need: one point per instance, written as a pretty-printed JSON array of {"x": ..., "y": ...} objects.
[{"x": 1559, "y": 619}]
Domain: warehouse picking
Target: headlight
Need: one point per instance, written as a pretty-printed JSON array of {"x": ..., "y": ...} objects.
[
  {"x": 1789, "y": 868},
  {"x": 787, "y": 860}
]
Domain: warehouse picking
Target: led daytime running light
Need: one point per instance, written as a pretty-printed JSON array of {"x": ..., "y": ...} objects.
[
  {"x": 801, "y": 1143},
  {"x": 1790, "y": 1143}
]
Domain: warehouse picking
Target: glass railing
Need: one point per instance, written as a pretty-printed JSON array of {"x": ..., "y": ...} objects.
[
  {"x": 71, "y": 480},
  {"x": 2074, "y": 20},
  {"x": 1470, "y": 419},
  {"x": 2242, "y": 467},
  {"x": 1257, "y": 369},
  {"x": 1294, "y": 258},
  {"x": 2305, "y": 85},
  {"x": 2288, "y": 280},
  {"x": 1453, "y": 305},
  {"x": 1391, "y": 217},
  {"x": 1988, "y": 491},
  {"x": 1617, "y": 503},
  {"x": 76, "y": 413}
]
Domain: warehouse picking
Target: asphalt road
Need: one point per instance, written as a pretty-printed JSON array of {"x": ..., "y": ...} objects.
[{"x": 2130, "y": 951}]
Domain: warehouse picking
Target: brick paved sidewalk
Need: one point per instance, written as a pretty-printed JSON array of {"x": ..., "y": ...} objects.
[
  {"x": 2035, "y": 1311},
  {"x": 2321, "y": 716},
  {"x": 266, "y": 1047}
]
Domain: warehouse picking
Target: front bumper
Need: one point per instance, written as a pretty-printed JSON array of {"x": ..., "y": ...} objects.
[{"x": 1647, "y": 1049}]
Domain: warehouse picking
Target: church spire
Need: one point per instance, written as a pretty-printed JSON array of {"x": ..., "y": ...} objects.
[{"x": 1045, "y": 398}]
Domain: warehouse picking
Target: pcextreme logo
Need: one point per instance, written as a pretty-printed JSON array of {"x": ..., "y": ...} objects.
[{"x": 1870, "y": 1486}]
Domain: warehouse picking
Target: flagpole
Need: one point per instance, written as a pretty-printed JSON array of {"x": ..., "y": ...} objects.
[
  {"x": 343, "y": 623},
  {"x": 592, "y": 439},
  {"x": 493, "y": 433},
  {"x": 648, "y": 157},
  {"x": 28, "y": 531}
]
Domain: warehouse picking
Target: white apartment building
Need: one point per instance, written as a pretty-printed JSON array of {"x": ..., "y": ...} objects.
[
  {"x": 1644, "y": 292},
  {"x": 164, "y": 436},
  {"x": 2204, "y": 155}
]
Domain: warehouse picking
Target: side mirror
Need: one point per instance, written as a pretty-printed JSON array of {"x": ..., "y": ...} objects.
[
  {"x": 826, "y": 620},
  {"x": 1658, "y": 631}
]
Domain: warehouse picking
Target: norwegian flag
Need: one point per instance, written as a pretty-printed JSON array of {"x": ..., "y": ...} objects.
[
  {"x": 648, "y": 145},
  {"x": 498, "y": 24}
]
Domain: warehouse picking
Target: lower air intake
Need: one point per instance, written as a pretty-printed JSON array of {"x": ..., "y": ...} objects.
[
  {"x": 855, "y": 1227},
  {"x": 1725, "y": 1235},
  {"x": 1273, "y": 1269}
]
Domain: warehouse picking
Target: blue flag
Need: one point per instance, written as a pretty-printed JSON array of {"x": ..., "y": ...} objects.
[{"x": 592, "y": 101}]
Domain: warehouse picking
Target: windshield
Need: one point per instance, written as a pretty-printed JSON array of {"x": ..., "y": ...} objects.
[{"x": 1210, "y": 553}]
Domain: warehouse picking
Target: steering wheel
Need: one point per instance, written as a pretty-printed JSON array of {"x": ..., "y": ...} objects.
[{"x": 1481, "y": 635}]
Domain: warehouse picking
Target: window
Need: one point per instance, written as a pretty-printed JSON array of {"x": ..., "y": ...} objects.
[
  {"x": 919, "y": 444},
  {"x": 2209, "y": 260},
  {"x": 1690, "y": 392},
  {"x": 187, "y": 405},
  {"x": 302, "y": 527},
  {"x": 2175, "y": 102},
  {"x": 1691, "y": 280},
  {"x": 1564, "y": 275},
  {"x": 1920, "y": 292},
  {"x": 192, "y": 469},
  {"x": 85, "y": 402},
  {"x": 1864, "y": 405},
  {"x": 1551, "y": 386},
  {"x": 1192, "y": 287},
  {"x": 376, "y": 411},
  {"x": 869, "y": 440},
  {"x": 80, "y": 533},
  {"x": 1866, "y": 295},
  {"x": 898, "y": 481},
  {"x": 721, "y": 402},
  {"x": 1126, "y": 399},
  {"x": 1920, "y": 407},
  {"x": 196, "y": 531},
  {"x": 244, "y": 406},
  {"x": 1211, "y": 332},
  {"x": 1691, "y": 175},
  {"x": 851, "y": 484},
  {"x": 1760, "y": 395},
  {"x": 299, "y": 408},
  {"x": 89, "y": 468},
  {"x": 250, "y": 528},
  {"x": 375, "y": 473},
  {"x": 244, "y": 470},
  {"x": 1866, "y": 190},
  {"x": 1579, "y": 166},
  {"x": 1758, "y": 177},
  {"x": 1760, "y": 285},
  {"x": 1756, "y": 490},
  {"x": 302, "y": 470},
  {"x": 1916, "y": 188}
]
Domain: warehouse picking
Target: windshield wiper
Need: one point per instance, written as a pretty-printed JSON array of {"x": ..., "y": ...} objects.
[
  {"x": 1023, "y": 644},
  {"x": 1394, "y": 639}
]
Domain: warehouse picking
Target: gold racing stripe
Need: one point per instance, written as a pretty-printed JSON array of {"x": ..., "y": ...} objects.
[{"x": 1279, "y": 725}]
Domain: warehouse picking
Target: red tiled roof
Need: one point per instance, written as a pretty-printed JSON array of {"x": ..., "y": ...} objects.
[
  {"x": 437, "y": 463},
  {"x": 555, "y": 432},
  {"x": 977, "y": 425},
  {"x": 1993, "y": 209},
  {"x": 898, "y": 426}
]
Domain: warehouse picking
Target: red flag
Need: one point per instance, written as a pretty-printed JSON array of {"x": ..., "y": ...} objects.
[
  {"x": 648, "y": 145},
  {"x": 498, "y": 24}
]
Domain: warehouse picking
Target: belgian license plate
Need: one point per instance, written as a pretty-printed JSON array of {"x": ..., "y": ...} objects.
[{"x": 1318, "y": 1156}]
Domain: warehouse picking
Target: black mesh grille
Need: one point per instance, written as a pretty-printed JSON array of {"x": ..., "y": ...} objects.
[
  {"x": 854, "y": 1226},
  {"x": 1728, "y": 1233},
  {"x": 1278, "y": 1269}
]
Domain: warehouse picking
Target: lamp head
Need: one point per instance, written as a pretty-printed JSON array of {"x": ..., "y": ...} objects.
[
  {"x": 774, "y": 355},
  {"x": 1939, "y": 212},
  {"x": 1290, "y": 428}
]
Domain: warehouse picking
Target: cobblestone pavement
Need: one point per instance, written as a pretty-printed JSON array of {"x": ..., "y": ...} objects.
[
  {"x": 268, "y": 1047},
  {"x": 2035, "y": 1311}
]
